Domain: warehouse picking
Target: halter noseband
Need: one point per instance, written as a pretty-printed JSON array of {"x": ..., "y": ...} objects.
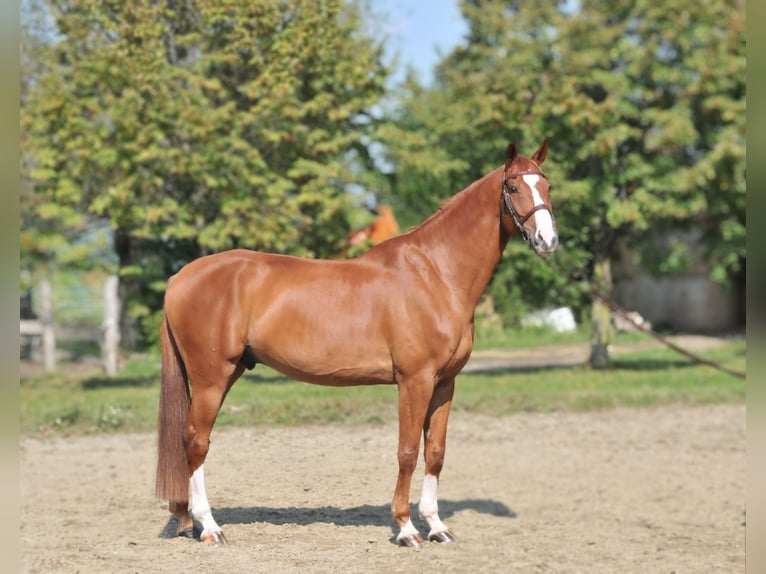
[{"x": 520, "y": 221}]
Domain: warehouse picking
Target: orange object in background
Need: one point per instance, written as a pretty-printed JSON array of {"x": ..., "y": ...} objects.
[{"x": 383, "y": 227}]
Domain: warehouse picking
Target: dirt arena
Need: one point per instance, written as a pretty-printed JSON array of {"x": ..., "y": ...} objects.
[{"x": 651, "y": 490}]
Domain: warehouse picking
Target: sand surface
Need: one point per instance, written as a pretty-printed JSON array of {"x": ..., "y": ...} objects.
[{"x": 646, "y": 490}]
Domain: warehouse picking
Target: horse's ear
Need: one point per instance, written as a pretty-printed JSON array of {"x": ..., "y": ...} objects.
[
  {"x": 510, "y": 154},
  {"x": 541, "y": 152}
]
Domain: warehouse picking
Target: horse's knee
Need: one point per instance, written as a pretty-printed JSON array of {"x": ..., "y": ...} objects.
[{"x": 408, "y": 459}]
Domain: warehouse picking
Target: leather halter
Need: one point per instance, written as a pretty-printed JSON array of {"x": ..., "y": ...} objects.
[{"x": 521, "y": 220}]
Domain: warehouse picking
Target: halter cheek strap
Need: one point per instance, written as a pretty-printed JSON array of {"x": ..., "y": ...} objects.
[{"x": 518, "y": 220}]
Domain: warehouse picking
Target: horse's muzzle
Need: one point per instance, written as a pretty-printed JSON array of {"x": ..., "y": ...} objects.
[{"x": 544, "y": 246}]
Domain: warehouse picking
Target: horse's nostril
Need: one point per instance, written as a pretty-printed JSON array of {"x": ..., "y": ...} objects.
[{"x": 541, "y": 244}]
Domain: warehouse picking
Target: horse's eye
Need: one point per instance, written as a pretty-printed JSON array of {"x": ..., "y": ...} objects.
[{"x": 514, "y": 189}]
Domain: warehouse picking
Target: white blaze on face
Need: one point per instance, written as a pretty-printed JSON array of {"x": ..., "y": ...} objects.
[{"x": 543, "y": 219}]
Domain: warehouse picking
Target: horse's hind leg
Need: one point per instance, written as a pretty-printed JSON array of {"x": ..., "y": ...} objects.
[
  {"x": 435, "y": 430},
  {"x": 201, "y": 511},
  {"x": 181, "y": 511},
  {"x": 206, "y": 400}
]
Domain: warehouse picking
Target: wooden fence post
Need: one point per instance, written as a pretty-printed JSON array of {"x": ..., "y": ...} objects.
[
  {"x": 111, "y": 327},
  {"x": 48, "y": 336}
]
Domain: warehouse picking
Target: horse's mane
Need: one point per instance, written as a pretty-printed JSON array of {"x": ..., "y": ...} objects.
[{"x": 449, "y": 205}]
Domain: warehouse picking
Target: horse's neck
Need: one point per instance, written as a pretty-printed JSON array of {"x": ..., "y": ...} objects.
[{"x": 464, "y": 238}]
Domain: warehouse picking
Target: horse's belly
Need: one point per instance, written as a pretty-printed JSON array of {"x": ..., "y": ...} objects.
[
  {"x": 328, "y": 370},
  {"x": 325, "y": 355}
]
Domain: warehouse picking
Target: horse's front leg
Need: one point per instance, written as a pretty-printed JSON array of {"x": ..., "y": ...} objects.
[
  {"x": 435, "y": 431},
  {"x": 414, "y": 398}
]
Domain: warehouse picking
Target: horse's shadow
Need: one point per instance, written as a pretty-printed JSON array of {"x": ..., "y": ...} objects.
[{"x": 364, "y": 515}]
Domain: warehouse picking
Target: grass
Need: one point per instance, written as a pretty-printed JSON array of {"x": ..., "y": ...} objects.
[
  {"x": 63, "y": 405},
  {"x": 535, "y": 337},
  {"x": 637, "y": 379}
]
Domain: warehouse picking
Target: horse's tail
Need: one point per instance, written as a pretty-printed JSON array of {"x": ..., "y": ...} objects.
[{"x": 172, "y": 466}]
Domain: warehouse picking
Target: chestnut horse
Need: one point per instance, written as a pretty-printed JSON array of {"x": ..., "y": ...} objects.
[{"x": 401, "y": 313}]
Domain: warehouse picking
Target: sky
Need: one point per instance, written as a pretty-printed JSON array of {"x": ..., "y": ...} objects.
[{"x": 421, "y": 30}]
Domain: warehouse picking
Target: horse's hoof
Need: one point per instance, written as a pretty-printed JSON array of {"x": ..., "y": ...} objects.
[
  {"x": 411, "y": 541},
  {"x": 215, "y": 538},
  {"x": 446, "y": 536}
]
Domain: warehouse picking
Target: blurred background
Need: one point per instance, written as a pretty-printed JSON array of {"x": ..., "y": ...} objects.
[{"x": 155, "y": 133}]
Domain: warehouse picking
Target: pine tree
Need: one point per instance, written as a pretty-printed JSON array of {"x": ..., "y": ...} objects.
[
  {"x": 643, "y": 105},
  {"x": 192, "y": 127}
]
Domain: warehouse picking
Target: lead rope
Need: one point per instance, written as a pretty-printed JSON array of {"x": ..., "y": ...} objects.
[{"x": 595, "y": 296}]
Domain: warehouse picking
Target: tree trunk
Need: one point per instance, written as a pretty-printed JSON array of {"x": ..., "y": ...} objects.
[
  {"x": 601, "y": 316},
  {"x": 129, "y": 291}
]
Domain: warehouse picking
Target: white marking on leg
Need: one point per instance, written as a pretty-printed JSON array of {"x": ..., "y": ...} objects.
[
  {"x": 429, "y": 507},
  {"x": 407, "y": 530},
  {"x": 200, "y": 507},
  {"x": 543, "y": 220}
]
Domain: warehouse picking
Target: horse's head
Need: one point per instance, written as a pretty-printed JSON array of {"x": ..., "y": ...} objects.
[{"x": 526, "y": 202}]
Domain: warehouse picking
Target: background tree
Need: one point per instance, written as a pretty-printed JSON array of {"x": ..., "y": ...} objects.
[
  {"x": 497, "y": 86},
  {"x": 190, "y": 127},
  {"x": 185, "y": 128},
  {"x": 644, "y": 108}
]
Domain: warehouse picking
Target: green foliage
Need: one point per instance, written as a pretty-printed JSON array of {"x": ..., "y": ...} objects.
[
  {"x": 193, "y": 127},
  {"x": 644, "y": 108},
  {"x": 153, "y": 133}
]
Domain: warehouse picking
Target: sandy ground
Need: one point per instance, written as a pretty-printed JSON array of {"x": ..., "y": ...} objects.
[{"x": 651, "y": 490}]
